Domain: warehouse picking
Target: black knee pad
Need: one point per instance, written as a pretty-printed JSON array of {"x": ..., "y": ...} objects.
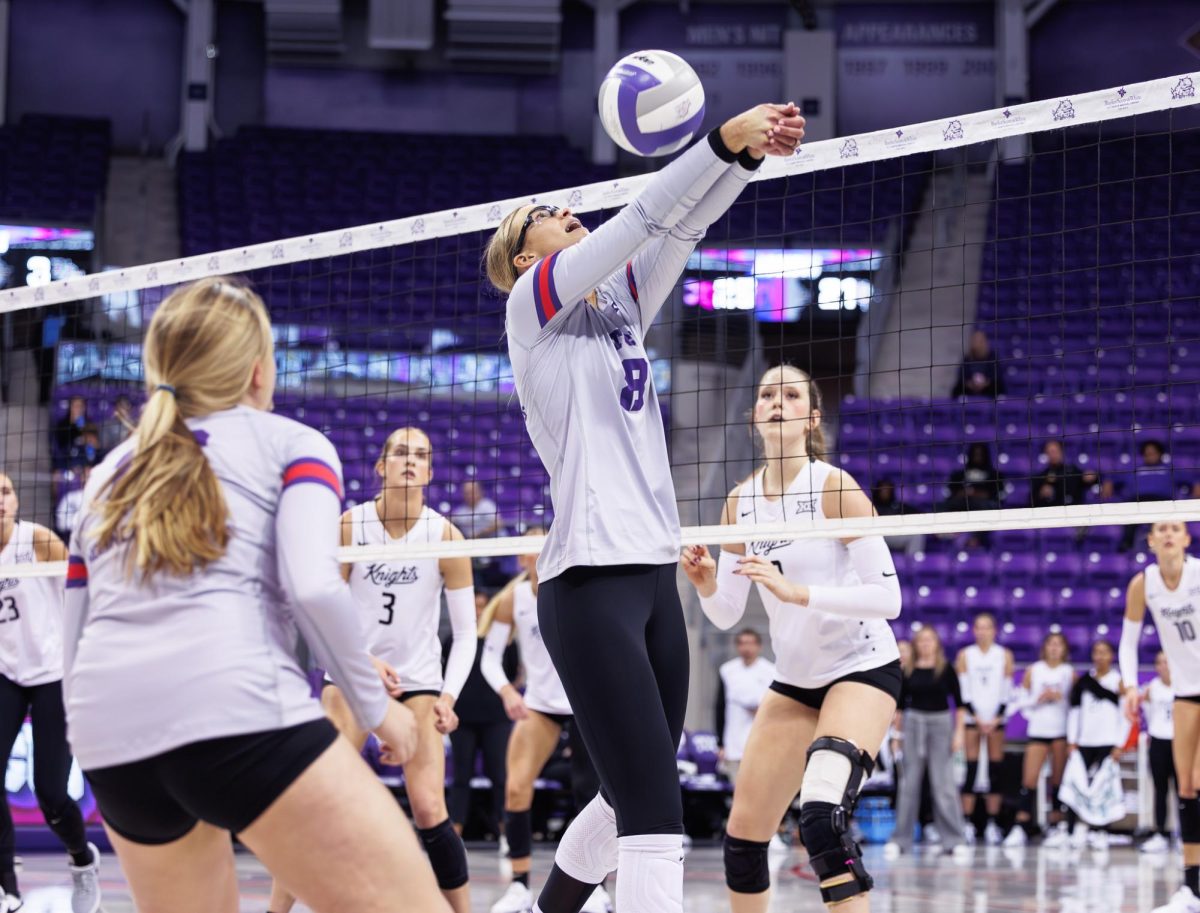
[
  {"x": 1026, "y": 800},
  {"x": 447, "y": 855},
  {"x": 1189, "y": 820},
  {"x": 746, "y": 869},
  {"x": 968, "y": 786},
  {"x": 832, "y": 852},
  {"x": 518, "y": 829}
]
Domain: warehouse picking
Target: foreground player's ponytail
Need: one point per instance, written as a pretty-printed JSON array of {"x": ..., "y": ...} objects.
[{"x": 200, "y": 351}]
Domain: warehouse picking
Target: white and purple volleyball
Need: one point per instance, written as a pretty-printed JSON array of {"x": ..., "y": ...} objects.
[{"x": 651, "y": 103}]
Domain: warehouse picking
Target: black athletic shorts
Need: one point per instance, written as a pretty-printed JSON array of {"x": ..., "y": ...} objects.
[
  {"x": 1045, "y": 740},
  {"x": 406, "y": 696},
  {"x": 561, "y": 720},
  {"x": 1190, "y": 698},
  {"x": 887, "y": 678},
  {"x": 226, "y": 782}
]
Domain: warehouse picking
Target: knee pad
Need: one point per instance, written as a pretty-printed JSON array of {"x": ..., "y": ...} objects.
[
  {"x": 588, "y": 850},
  {"x": 518, "y": 829},
  {"x": 968, "y": 786},
  {"x": 447, "y": 855},
  {"x": 746, "y": 867},
  {"x": 1189, "y": 820},
  {"x": 834, "y": 775},
  {"x": 1026, "y": 800}
]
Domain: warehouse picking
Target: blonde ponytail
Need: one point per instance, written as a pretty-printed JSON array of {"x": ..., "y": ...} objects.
[
  {"x": 489, "y": 610},
  {"x": 200, "y": 352}
]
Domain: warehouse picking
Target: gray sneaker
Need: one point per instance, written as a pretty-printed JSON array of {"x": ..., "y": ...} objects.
[{"x": 85, "y": 890}]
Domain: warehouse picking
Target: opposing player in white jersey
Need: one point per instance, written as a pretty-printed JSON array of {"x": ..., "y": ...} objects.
[
  {"x": 401, "y": 605},
  {"x": 540, "y": 715},
  {"x": 1158, "y": 702},
  {"x": 205, "y": 546},
  {"x": 31, "y": 672},
  {"x": 837, "y": 666},
  {"x": 985, "y": 670},
  {"x": 1044, "y": 704},
  {"x": 579, "y": 307},
  {"x": 1170, "y": 589}
]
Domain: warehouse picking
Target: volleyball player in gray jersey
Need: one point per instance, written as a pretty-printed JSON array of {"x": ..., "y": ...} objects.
[
  {"x": 578, "y": 309},
  {"x": 204, "y": 546}
]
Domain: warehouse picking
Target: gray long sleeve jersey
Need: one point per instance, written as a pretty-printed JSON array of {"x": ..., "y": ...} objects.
[
  {"x": 156, "y": 664},
  {"x": 582, "y": 373}
]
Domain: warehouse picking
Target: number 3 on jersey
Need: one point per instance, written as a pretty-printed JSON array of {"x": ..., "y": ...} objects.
[
  {"x": 637, "y": 372},
  {"x": 389, "y": 603},
  {"x": 8, "y": 610}
]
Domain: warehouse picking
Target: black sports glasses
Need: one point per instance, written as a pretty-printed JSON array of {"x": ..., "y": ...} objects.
[{"x": 529, "y": 220}]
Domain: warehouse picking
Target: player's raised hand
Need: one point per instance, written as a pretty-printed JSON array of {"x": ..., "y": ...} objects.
[{"x": 700, "y": 568}]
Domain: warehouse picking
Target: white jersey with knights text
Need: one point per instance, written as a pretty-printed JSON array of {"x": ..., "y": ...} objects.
[
  {"x": 401, "y": 600},
  {"x": 1047, "y": 719},
  {"x": 543, "y": 688},
  {"x": 1175, "y": 616},
  {"x": 985, "y": 685},
  {"x": 31, "y": 648},
  {"x": 812, "y": 648},
  {"x": 1160, "y": 709}
]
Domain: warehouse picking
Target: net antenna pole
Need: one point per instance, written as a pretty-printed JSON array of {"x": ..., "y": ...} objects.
[
  {"x": 1012, "y": 88},
  {"x": 199, "y": 53},
  {"x": 606, "y": 40}
]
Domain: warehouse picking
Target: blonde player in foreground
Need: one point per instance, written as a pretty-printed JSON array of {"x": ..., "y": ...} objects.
[
  {"x": 203, "y": 544},
  {"x": 579, "y": 307},
  {"x": 1170, "y": 589},
  {"x": 837, "y": 665}
]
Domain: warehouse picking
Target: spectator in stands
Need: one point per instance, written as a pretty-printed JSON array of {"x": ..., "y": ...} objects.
[
  {"x": 70, "y": 427},
  {"x": 1060, "y": 483},
  {"x": 86, "y": 450},
  {"x": 883, "y": 496},
  {"x": 1154, "y": 480},
  {"x": 477, "y": 517},
  {"x": 68, "y": 506},
  {"x": 119, "y": 425},
  {"x": 977, "y": 486},
  {"x": 741, "y": 684},
  {"x": 980, "y": 373}
]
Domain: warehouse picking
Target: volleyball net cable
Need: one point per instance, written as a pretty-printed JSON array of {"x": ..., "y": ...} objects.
[{"x": 1066, "y": 231}]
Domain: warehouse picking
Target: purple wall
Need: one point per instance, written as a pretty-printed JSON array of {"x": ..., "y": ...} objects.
[
  {"x": 1083, "y": 45},
  {"x": 119, "y": 59}
]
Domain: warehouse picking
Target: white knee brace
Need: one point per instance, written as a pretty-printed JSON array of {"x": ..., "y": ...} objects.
[{"x": 588, "y": 850}]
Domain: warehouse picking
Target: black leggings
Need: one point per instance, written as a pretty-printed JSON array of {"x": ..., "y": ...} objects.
[
  {"x": 465, "y": 742},
  {"x": 1162, "y": 771},
  {"x": 51, "y": 763},
  {"x": 618, "y": 640}
]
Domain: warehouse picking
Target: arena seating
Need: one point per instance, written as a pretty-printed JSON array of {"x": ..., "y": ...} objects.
[{"x": 53, "y": 168}]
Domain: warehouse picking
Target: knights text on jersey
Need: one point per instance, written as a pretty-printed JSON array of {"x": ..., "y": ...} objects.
[
  {"x": 1177, "y": 617},
  {"x": 31, "y": 649},
  {"x": 401, "y": 601},
  {"x": 812, "y": 648},
  {"x": 592, "y": 412}
]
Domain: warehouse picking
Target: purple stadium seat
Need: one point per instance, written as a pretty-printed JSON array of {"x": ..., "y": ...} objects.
[
  {"x": 1061, "y": 568},
  {"x": 930, "y": 568}
]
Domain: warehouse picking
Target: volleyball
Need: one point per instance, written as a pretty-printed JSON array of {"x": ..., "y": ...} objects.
[{"x": 651, "y": 103}]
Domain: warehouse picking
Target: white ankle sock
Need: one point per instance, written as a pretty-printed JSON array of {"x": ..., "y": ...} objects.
[{"x": 650, "y": 873}]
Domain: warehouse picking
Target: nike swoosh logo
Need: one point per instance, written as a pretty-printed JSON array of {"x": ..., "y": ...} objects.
[
  {"x": 890, "y": 575},
  {"x": 747, "y": 513}
]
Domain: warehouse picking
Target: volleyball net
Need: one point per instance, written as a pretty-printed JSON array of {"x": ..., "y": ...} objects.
[{"x": 1056, "y": 243}]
